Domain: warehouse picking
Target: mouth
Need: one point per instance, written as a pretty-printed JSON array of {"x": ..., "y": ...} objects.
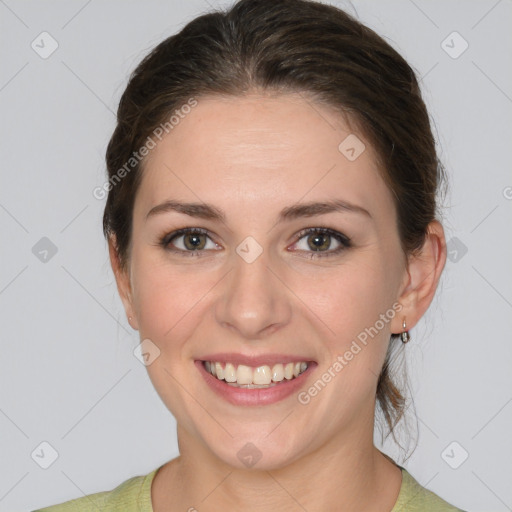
[
  {"x": 256, "y": 383},
  {"x": 260, "y": 377}
]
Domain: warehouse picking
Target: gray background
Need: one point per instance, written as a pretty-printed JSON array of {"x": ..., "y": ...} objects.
[{"x": 68, "y": 375}]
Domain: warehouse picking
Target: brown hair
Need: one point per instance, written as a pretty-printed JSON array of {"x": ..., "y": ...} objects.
[{"x": 287, "y": 46}]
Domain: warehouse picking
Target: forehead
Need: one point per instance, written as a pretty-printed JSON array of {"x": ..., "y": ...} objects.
[{"x": 260, "y": 149}]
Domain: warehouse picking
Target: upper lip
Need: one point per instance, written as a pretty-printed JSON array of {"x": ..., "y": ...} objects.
[{"x": 255, "y": 360}]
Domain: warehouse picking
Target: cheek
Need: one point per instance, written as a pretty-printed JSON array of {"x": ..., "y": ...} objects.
[
  {"x": 357, "y": 305},
  {"x": 169, "y": 299},
  {"x": 351, "y": 298},
  {"x": 164, "y": 299}
]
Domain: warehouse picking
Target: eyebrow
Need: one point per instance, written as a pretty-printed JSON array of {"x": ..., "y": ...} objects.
[{"x": 210, "y": 212}]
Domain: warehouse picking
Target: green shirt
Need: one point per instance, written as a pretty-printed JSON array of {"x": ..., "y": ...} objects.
[{"x": 134, "y": 495}]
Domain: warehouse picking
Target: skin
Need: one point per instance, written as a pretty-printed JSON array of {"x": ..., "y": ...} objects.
[{"x": 251, "y": 156}]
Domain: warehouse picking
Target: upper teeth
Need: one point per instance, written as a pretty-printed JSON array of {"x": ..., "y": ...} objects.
[{"x": 262, "y": 375}]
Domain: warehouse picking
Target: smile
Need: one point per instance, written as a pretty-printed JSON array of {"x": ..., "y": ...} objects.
[
  {"x": 255, "y": 377},
  {"x": 261, "y": 384}
]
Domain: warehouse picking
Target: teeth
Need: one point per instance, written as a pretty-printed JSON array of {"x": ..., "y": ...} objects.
[
  {"x": 288, "y": 371},
  {"x": 278, "y": 373},
  {"x": 248, "y": 377},
  {"x": 229, "y": 373},
  {"x": 262, "y": 375},
  {"x": 243, "y": 375},
  {"x": 219, "y": 370}
]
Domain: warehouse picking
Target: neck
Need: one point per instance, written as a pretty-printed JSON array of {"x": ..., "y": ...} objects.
[{"x": 345, "y": 475}]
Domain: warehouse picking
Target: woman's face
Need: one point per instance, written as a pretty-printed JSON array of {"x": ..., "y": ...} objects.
[{"x": 257, "y": 285}]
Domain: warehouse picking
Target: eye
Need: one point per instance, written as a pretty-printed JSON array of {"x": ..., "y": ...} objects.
[
  {"x": 318, "y": 241},
  {"x": 188, "y": 241}
]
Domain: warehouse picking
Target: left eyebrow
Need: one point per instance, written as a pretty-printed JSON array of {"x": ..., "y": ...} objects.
[
  {"x": 320, "y": 208},
  {"x": 208, "y": 211}
]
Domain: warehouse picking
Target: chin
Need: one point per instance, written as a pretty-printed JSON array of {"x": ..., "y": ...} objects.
[{"x": 254, "y": 451}]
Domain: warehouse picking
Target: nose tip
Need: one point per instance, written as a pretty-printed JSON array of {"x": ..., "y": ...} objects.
[{"x": 254, "y": 302}]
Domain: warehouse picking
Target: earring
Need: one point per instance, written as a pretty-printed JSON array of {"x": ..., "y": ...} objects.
[
  {"x": 129, "y": 318},
  {"x": 406, "y": 337}
]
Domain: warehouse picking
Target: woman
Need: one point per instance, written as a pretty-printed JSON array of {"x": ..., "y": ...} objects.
[{"x": 271, "y": 219}]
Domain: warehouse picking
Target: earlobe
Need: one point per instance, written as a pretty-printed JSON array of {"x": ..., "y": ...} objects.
[
  {"x": 423, "y": 273},
  {"x": 123, "y": 282}
]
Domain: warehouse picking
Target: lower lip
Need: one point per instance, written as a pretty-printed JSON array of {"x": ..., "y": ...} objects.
[{"x": 255, "y": 396}]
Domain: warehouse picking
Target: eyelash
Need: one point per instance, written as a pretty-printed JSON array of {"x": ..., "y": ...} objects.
[{"x": 344, "y": 241}]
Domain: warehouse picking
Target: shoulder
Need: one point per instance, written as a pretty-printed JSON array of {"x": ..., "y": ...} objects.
[
  {"x": 413, "y": 497},
  {"x": 133, "y": 495}
]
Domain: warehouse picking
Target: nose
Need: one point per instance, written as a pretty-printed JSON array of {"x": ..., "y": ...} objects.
[{"x": 254, "y": 302}]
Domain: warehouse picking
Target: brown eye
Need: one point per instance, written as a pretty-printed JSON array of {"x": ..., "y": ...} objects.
[
  {"x": 318, "y": 242},
  {"x": 188, "y": 240},
  {"x": 194, "y": 241}
]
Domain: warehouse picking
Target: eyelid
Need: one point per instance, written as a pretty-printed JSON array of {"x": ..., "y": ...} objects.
[
  {"x": 165, "y": 240},
  {"x": 343, "y": 239},
  {"x": 345, "y": 242}
]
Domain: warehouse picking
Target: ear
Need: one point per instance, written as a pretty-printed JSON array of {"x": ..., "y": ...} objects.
[
  {"x": 123, "y": 282},
  {"x": 421, "y": 279}
]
